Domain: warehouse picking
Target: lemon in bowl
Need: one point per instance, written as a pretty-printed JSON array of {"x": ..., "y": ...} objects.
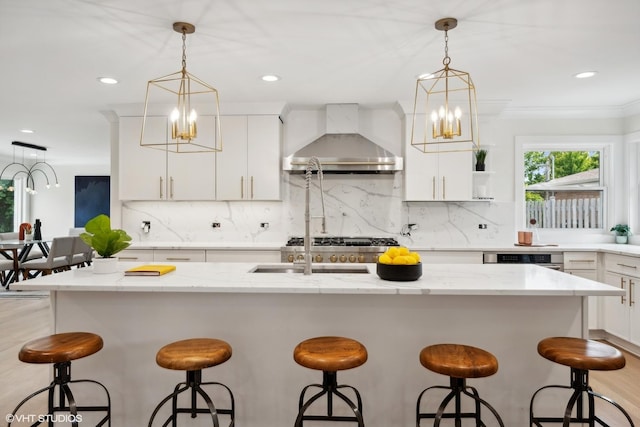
[{"x": 399, "y": 264}]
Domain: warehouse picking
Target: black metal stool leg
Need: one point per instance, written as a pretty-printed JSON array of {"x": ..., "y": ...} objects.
[
  {"x": 194, "y": 384},
  {"x": 457, "y": 388},
  {"x": 329, "y": 387},
  {"x": 66, "y": 401},
  {"x": 580, "y": 387}
]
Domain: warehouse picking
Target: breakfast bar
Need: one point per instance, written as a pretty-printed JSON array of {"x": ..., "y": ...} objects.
[{"x": 505, "y": 309}]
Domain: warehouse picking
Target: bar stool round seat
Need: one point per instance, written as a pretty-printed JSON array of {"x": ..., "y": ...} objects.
[
  {"x": 60, "y": 349},
  {"x": 582, "y": 356},
  {"x": 193, "y": 355},
  {"x": 330, "y": 354},
  {"x": 459, "y": 362}
]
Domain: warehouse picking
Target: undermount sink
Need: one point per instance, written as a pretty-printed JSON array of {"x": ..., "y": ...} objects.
[{"x": 299, "y": 268}]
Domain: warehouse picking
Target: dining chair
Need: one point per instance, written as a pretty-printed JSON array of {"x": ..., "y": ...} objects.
[
  {"x": 5, "y": 266},
  {"x": 82, "y": 253},
  {"x": 59, "y": 259}
]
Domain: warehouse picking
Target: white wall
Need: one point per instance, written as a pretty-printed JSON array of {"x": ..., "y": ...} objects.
[
  {"x": 54, "y": 207},
  {"x": 356, "y": 204}
]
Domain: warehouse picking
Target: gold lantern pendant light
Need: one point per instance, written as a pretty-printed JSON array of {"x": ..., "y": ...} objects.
[
  {"x": 194, "y": 116},
  {"x": 445, "y": 112}
]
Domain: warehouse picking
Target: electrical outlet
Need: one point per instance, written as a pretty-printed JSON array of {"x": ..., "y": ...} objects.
[
  {"x": 482, "y": 226},
  {"x": 215, "y": 225}
]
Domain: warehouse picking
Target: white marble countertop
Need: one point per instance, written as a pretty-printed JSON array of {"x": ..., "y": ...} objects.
[
  {"x": 459, "y": 279},
  {"x": 633, "y": 250}
]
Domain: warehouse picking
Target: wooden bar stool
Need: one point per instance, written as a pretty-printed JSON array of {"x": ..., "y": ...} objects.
[
  {"x": 581, "y": 356},
  {"x": 458, "y": 362},
  {"x": 329, "y": 355},
  {"x": 61, "y": 349},
  {"x": 193, "y": 355}
]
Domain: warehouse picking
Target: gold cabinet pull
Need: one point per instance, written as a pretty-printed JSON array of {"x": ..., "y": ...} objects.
[
  {"x": 178, "y": 259},
  {"x": 628, "y": 266},
  {"x": 434, "y": 187},
  {"x": 171, "y": 188},
  {"x": 161, "y": 185},
  {"x": 444, "y": 189},
  {"x": 622, "y": 297},
  {"x": 631, "y": 285},
  {"x": 251, "y": 187},
  {"x": 242, "y": 187}
]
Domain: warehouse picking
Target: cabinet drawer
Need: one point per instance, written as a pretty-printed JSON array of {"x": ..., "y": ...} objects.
[
  {"x": 622, "y": 264},
  {"x": 182, "y": 255},
  {"x": 580, "y": 260},
  {"x": 136, "y": 255}
]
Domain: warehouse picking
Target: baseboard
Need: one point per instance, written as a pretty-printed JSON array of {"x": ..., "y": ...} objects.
[{"x": 624, "y": 344}]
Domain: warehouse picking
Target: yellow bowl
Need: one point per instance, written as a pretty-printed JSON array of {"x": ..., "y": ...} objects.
[{"x": 399, "y": 273}]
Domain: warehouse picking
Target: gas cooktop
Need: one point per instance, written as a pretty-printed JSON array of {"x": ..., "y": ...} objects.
[{"x": 345, "y": 241}]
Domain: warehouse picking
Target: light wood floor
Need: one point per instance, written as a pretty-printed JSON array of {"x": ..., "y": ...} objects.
[{"x": 23, "y": 319}]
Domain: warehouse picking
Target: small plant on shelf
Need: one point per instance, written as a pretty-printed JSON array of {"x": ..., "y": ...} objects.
[
  {"x": 481, "y": 156},
  {"x": 104, "y": 240},
  {"x": 623, "y": 231}
]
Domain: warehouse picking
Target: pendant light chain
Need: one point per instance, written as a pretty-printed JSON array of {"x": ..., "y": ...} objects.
[
  {"x": 446, "y": 60},
  {"x": 184, "y": 50}
]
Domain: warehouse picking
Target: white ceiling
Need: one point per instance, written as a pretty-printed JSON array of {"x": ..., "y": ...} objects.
[{"x": 521, "y": 54}]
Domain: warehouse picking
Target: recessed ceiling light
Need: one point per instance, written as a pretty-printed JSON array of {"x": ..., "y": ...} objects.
[
  {"x": 26, "y": 131},
  {"x": 107, "y": 80},
  {"x": 270, "y": 78},
  {"x": 585, "y": 74}
]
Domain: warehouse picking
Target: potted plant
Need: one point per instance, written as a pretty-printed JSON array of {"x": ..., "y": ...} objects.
[
  {"x": 481, "y": 156},
  {"x": 105, "y": 241},
  {"x": 622, "y": 232}
]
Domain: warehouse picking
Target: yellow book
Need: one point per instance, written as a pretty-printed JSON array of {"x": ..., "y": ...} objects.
[{"x": 150, "y": 270}]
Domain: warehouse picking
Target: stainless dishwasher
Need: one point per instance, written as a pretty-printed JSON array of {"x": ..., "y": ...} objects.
[{"x": 553, "y": 260}]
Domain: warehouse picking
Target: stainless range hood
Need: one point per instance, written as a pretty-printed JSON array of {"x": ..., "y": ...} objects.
[{"x": 342, "y": 149}]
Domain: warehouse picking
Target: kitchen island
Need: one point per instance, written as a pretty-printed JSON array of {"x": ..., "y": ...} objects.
[{"x": 505, "y": 309}]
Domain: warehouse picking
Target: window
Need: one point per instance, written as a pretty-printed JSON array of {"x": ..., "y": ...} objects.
[
  {"x": 6, "y": 206},
  {"x": 564, "y": 182},
  {"x": 563, "y": 189}
]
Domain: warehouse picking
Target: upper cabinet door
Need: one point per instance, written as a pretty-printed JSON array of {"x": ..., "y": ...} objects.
[
  {"x": 248, "y": 168},
  {"x": 441, "y": 176},
  {"x": 142, "y": 170},
  {"x": 263, "y": 158},
  {"x": 231, "y": 162},
  {"x": 192, "y": 176}
]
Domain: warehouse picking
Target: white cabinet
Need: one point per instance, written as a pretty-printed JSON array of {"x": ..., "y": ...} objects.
[
  {"x": 585, "y": 264},
  {"x": 621, "y": 314},
  {"x": 248, "y": 168},
  {"x": 442, "y": 176},
  {"x": 450, "y": 257},
  {"x": 162, "y": 255},
  {"x": 150, "y": 174},
  {"x": 136, "y": 255},
  {"x": 243, "y": 255},
  {"x": 179, "y": 255},
  {"x": 437, "y": 177}
]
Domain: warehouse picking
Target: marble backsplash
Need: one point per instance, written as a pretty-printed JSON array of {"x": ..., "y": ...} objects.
[{"x": 355, "y": 205}]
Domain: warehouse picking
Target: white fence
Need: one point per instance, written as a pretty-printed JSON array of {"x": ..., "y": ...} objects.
[{"x": 566, "y": 213}]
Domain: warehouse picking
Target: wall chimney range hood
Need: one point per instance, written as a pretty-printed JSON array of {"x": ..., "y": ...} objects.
[{"x": 342, "y": 149}]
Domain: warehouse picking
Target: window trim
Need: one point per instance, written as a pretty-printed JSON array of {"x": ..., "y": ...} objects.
[{"x": 602, "y": 143}]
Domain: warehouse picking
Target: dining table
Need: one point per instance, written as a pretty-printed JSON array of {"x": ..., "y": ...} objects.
[{"x": 18, "y": 251}]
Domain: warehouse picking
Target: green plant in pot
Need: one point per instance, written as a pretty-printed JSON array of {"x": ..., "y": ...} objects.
[
  {"x": 105, "y": 241},
  {"x": 481, "y": 156},
  {"x": 622, "y": 232}
]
